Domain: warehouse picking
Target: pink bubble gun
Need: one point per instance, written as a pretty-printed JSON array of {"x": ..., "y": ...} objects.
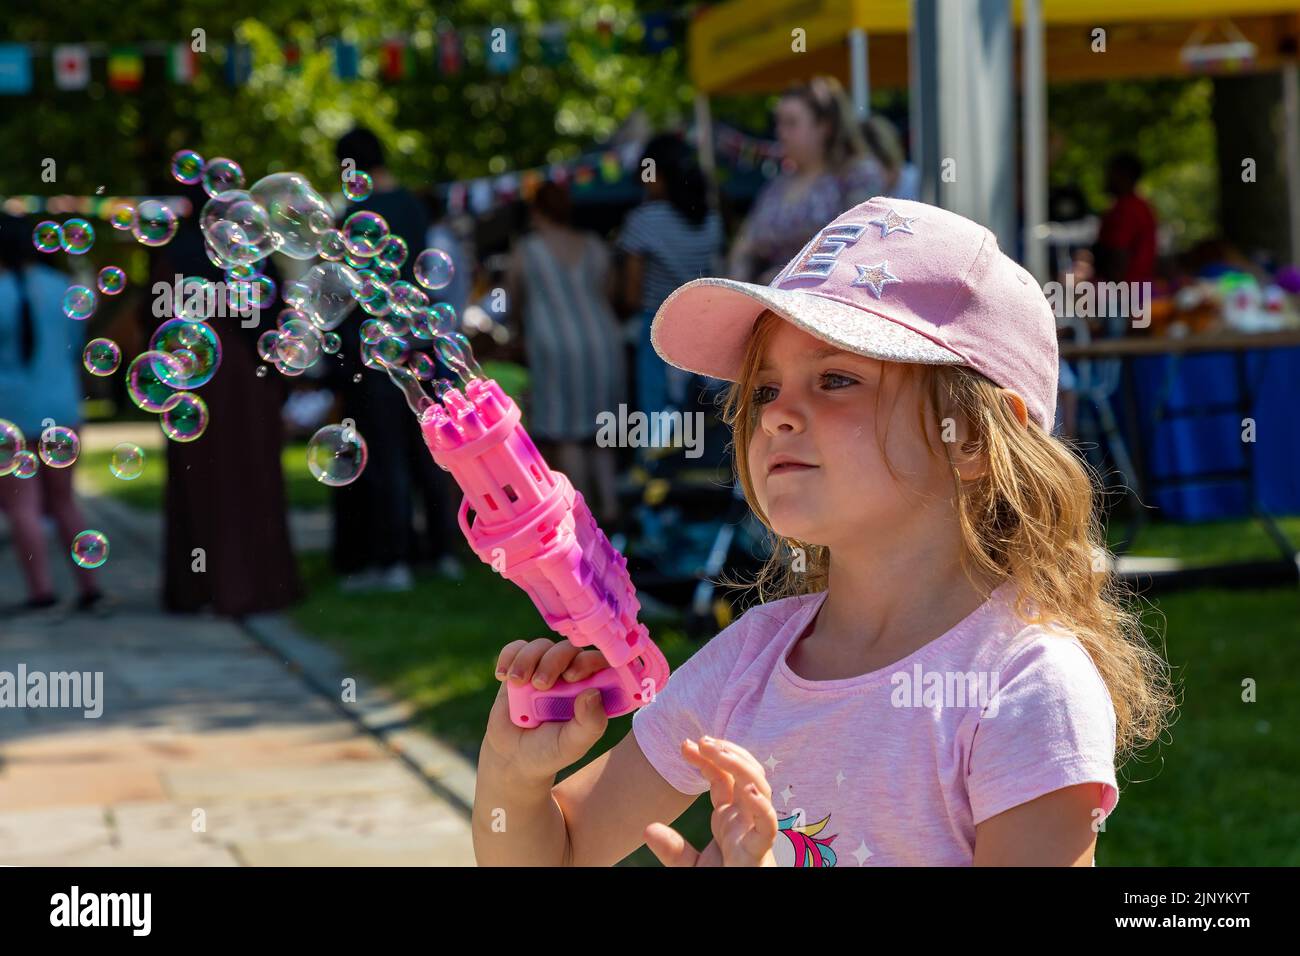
[{"x": 534, "y": 528}]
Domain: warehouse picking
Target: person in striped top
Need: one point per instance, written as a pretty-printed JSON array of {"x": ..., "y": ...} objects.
[{"x": 670, "y": 239}]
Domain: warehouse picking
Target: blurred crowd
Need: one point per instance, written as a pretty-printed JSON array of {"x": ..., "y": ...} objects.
[{"x": 549, "y": 287}]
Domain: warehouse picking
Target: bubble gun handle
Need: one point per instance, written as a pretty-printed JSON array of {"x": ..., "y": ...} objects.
[{"x": 534, "y": 528}]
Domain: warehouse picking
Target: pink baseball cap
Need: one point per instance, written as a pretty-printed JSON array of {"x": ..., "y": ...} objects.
[{"x": 893, "y": 279}]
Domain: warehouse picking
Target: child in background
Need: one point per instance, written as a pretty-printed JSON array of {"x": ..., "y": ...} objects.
[{"x": 941, "y": 672}]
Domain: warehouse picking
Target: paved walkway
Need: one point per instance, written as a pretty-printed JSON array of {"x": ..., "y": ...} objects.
[{"x": 218, "y": 744}]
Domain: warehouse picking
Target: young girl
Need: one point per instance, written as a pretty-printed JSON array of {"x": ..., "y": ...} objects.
[{"x": 938, "y": 674}]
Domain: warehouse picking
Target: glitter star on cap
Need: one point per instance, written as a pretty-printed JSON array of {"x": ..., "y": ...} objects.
[
  {"x": 893, "y": 222},
  {"x": 875, "y": 277}
]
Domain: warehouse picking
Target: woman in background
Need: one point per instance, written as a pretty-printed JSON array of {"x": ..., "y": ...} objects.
[
  {"x": 40, "y": 359},
  {"x": 559, "y": 288},
  {"x": 829, "y": 169}
]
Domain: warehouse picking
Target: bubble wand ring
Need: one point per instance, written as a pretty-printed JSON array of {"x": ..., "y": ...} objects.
[{"x": 531, "y": 526}]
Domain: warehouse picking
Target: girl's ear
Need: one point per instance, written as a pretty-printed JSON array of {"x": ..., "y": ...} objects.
[{"x": 1018, "y": 406}]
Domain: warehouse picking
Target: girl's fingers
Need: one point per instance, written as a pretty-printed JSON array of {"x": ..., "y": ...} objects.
[
  {"x": 737, "y": 761},
  {"x": 526, "y": 661},
  {"x": 507, "y": 656},
  {"x": 720, "y": 783},
  {"x": 558, "y": 657},
  {"x": 746, "y": 829},
  {"x": 669, "y": 846},
  {"x": 587, "y": 662}
]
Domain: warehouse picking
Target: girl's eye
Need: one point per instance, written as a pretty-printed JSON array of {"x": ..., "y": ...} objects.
[
  {"x": 836, "y": 375},
  {"x": 759, "y": 393}
]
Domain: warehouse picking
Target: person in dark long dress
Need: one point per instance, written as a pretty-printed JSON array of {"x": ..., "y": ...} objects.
[
  {"x": 225, "y": 491},
  {"x": 375, "y": 542}
]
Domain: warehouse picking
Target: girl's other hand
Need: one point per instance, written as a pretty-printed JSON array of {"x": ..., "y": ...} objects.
[{"x": 744, "y": 823}]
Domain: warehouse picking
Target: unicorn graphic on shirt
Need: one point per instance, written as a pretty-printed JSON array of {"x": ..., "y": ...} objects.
[{"x": 800, "y": 845}]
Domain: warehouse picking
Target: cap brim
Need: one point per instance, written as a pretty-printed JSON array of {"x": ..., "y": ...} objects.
[{"x": 704, "y": 326}]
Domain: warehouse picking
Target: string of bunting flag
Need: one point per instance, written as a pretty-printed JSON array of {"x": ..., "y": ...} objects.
[{"x": 397, "y": 56}]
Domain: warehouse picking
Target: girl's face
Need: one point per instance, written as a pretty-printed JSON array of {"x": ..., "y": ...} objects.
[
  {"x": 817, "y": 404},
  {"x": 802, "y": 137}
]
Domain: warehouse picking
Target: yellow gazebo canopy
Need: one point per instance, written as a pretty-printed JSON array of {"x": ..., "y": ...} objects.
[{"x": 745, "y": 46}]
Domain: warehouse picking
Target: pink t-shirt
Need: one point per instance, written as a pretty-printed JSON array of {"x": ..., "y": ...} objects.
[{"x": 894, "y": 767}]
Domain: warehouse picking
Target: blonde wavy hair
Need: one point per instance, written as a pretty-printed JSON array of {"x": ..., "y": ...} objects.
[{"x": 1030, "y": 517}]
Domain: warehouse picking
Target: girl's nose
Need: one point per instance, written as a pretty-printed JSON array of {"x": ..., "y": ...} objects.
[{"x": 783, "y": 414}]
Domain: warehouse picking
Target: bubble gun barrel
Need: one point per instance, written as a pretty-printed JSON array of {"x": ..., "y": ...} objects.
[{"x": 534, "y": 528}]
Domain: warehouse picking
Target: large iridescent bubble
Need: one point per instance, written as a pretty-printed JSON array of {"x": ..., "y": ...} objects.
[
  {"x": 237, "y": 229},
  {"x": 222, "y": 175},
  {"x": 146, "y": 388},
  {"x": 298, "y": 214},
  {"x": 330, "y": 293},
  {"x": 155, "y": 223},
  {"x": 194, "y": 344},
  {"x": 186, "y": 420},
  {"x": 59, "y": 446},
  {"x": 364, "y": 233},
  {"x": 336, "y": 455}
]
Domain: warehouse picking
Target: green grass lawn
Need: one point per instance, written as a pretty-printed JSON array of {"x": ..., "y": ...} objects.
[
  {"x": 146, "y": 492},
  {"x": 1222, "y": 789}
]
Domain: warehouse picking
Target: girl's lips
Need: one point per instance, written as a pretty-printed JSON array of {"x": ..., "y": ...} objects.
[{"x": 789, "y": 468}]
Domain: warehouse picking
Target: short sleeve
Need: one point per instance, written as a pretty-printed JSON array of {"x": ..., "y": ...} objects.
[
  {"x": 635, "y": 236},
  {"x": 689, "y": 705},
  {"x": 1051, "y": 724}
]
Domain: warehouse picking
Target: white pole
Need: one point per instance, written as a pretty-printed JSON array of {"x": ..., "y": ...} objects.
[
  {"x": 1033, "y": 99},
  {"x": 858, "y": 72},
  {"x": 1291, "y": 112},
  {"x": 704, "y": 144}
]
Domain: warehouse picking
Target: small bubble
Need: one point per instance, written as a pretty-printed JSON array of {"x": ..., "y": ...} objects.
[
  {"x": 261, "y": 371},
  {"x": 357, "y": 377}
]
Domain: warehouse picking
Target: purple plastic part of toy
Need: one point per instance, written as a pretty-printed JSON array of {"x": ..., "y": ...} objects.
[{"x": 531, "y": 526}]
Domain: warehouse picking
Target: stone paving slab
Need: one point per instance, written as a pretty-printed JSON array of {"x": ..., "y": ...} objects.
[{"x": 201, "y": 713}]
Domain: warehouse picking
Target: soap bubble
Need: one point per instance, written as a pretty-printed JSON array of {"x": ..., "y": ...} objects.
[
  {"x": 127, "y": 462},
  {"x": 358, "y": 186},
  {"x": 390, "y": 350},
  {"x": 90, "y": 549},
  {"x": 356, "y": 262},
  {"x": 434, "y": 269},
  {"x": 266, "y": 344},
  {"x": 78, "y": 302},
  {"x": 11, "y": 443},
  {"x": 406, "y": 298},
  {"x": 122, "y": 215},
  {"x": 186, "y": 420},
  {"x": 260, "y": 371},
  {"x": 112, "y": 280},
  {"x": 383, "y": 271},
  {"x": 149, "y": 391},
  {"x": 155, "y": 223},
  {"x": 59, "y": 446},
  {"x": 393, "y": 252},
  {"x": 187, "y": 167},
  {"x": 331, "y": 342},
  {"x": 296, "y": 211},
  {"x": 331, "y": 245},
  {"x": 329, "y": 293},
  {"x": 444, "y": 318},
  {"x": 299, "y": 345},
  {"x": 25, "y": 464},
  {"x": 202, "y": 349},
  {"x": 237, "y": 228},
  {"x": 101, "y": 357},
  {"x": 222, "y": 175},
  {"x": 336, "y": 455},
  {"x": 78, "y": 237},
  {"x": 372, "y": 330},
  {"x": 241, "y": 272},
  {"x": 364, "y": 233},
  {"x": 423, "y": 365},
  {"x": 47, "y": 236}
]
